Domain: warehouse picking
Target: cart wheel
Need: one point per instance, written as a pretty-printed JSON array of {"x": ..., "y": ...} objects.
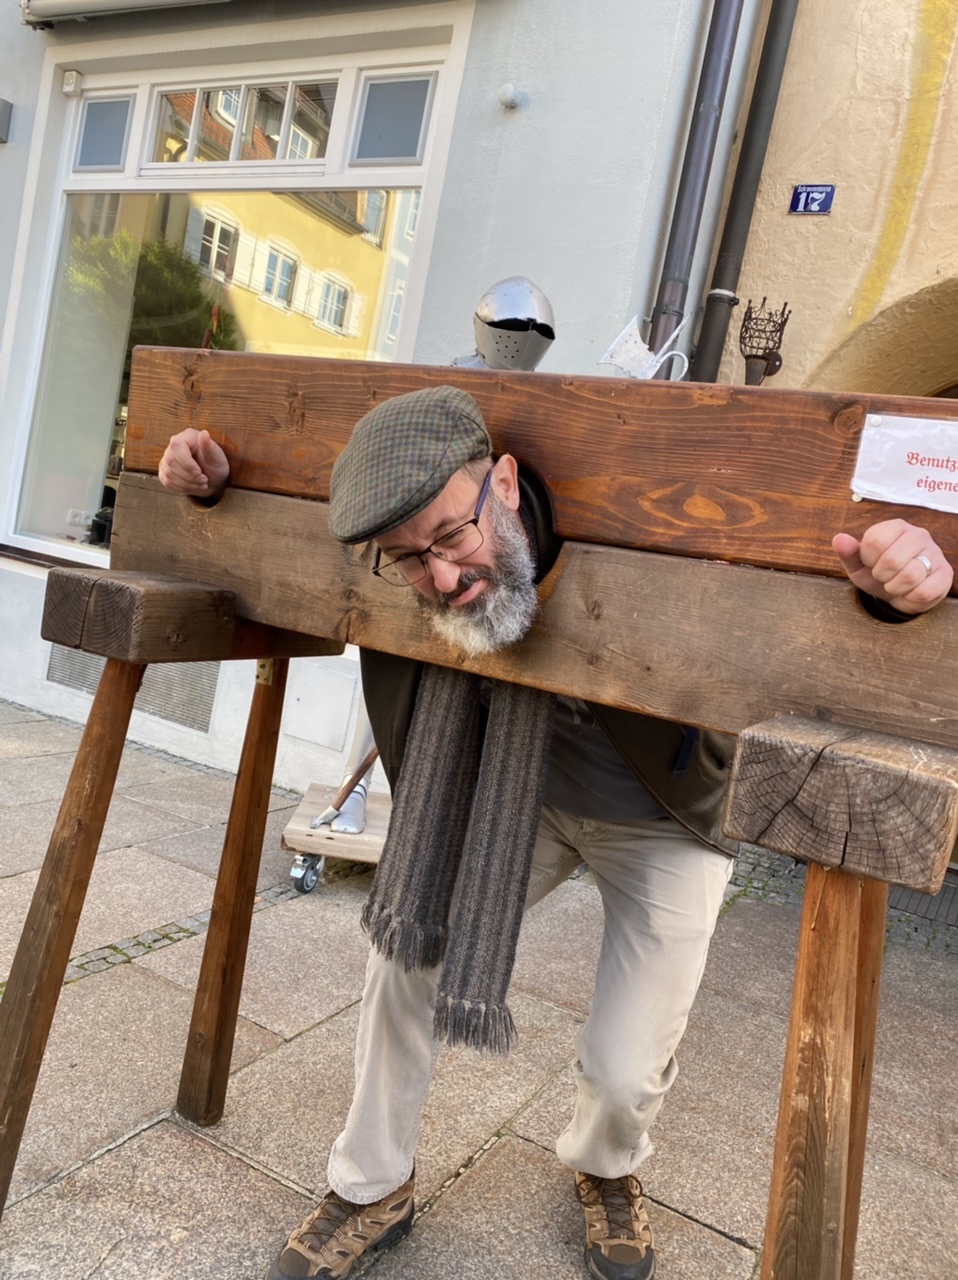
[{"x": 307, "y": 882}]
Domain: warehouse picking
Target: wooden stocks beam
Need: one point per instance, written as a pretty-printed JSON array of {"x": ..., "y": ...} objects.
[
  {"x": 751, "y": 475},
  {"x": 723, "y": 646}
]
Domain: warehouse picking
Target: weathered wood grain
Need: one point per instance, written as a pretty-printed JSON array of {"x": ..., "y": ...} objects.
[
  {"x": 145, "y": 618},
  {"x": 206, "y": 1064},
  {"x": 138, "y": 618},
  {"x": 747, "y": 474},
  {"x": 36, "y": 975},
  {"x": 812, "y": 1171},
  {"x": 716, "y": 645},
  {"x": 882, "y": 806},
  {"x": 871, "y": 943}
]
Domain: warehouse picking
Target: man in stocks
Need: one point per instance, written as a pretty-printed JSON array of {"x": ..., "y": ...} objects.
[{"x": 534, "y": 786}]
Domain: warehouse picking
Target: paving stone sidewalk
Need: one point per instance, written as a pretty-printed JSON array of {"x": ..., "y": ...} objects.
[{"x": 112, "y": 1183}]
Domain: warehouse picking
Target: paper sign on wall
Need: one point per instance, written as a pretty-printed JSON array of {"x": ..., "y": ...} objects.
[{"x": 908, "y": 460}]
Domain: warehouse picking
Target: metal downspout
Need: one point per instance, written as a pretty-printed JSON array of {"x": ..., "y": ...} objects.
[
  {"x": 738, "y": 218},
  {"x": 693, "y": 183}
]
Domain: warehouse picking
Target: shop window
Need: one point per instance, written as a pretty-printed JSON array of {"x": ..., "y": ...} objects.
[
  {"x": 224, "y": 195},
  {"x": 182, "y": 269}
]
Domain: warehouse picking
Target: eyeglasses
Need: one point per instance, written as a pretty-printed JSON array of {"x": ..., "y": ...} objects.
[{"x": 455, "y": 545}]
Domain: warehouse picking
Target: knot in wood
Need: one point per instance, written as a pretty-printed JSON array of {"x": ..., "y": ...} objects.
[{"x": 850, "y": 420}]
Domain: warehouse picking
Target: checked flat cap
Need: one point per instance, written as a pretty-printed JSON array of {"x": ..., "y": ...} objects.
[{"x": 399, "y": 456}]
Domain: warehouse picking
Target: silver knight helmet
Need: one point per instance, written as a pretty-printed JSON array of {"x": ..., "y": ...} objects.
[{"x": 514, "y": 325}]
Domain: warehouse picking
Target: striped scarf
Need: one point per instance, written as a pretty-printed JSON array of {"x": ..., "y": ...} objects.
[{"x": 466, "y": 810}]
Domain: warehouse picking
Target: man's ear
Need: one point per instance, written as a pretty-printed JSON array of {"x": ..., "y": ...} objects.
[{"x": 505, "y": 481}]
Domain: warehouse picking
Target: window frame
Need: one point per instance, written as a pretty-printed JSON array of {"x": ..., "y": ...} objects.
[
  {"x": 333, "y": 280},
  {"x": 86, "y": 101},
  {"x": 282, "y": 256},
  {"x": 141, "y": 66},
  {"x": 369, "y": 79}
]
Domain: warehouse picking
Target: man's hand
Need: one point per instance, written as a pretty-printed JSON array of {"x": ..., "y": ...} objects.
[
  {"x": 896, "y": 562},
  {"x": 194, "y": 463}
]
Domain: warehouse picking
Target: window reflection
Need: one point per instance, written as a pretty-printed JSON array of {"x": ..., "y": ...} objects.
[
  {"x": 263, "y": 124},
  {"x": 217, "y": 125},
  {"x": 173, "y": 126},
  {"x": 305, "y": 273},
  {"x": 309, "y": 128}
]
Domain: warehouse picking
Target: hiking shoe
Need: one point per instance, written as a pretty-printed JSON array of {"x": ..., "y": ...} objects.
[
  {"x": 618, "y": 1237},
  {"x": 338, "y": 1232}
]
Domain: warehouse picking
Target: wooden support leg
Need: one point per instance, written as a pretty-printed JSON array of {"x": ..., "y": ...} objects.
[
  {"x": 30, "y": 999},
  {"x": 869, "y": 809},
  {"x": 819, "y": 1144},
  {"x": 206, "y": 1065},
  {"x": 871, "y": 939}
]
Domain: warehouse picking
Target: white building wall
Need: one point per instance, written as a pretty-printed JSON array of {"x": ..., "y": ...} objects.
[
  {"x": 573, "y": 187},
  {"x": 21, "y": 55}
]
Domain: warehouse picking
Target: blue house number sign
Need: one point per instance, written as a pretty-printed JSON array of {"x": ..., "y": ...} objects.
[{"x": 810, "y": 197}]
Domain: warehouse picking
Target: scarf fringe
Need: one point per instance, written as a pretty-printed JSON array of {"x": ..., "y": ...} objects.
[
  {"x": 476, "y": 1024},
  {"x": 413, "y": 945}
]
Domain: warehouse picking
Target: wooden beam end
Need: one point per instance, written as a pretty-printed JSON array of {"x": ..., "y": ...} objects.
[{"x": 872, "y": 804}]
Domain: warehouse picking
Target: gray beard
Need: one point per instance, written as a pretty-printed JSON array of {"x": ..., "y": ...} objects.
[{"x": 504, "y": 612}]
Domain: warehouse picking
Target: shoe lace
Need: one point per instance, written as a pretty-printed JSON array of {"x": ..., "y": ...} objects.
[
  {"x": 323, "y": 1224},
  {"x": 617, "y": 1196}
]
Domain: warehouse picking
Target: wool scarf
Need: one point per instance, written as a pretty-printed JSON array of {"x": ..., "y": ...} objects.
[{"x": 465, "y": 809}]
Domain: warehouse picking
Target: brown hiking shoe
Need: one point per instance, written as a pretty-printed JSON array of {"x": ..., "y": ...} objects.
[
  {"x": 618, "y": 1236},
  {"x": 338, "y": 1232}
]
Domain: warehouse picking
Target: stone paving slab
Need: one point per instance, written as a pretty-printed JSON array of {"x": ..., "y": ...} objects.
[
  {"x": 130, "y": 892},
  {"x": 143, "y": 766},
  {"x": 514, "y": 1213},
  {"x": 907, "y": 1225},
  {"x": 25, "y": 830},
  {"x": 309, "y": 1083},
  {"x": 714, "y": 1136},
  {"x": 306, "y": 960},
  {"x": 164, "y": 1206},
  {"x": 10, "y": 713},
  {"x": 914, "y": 1100},
  {"x": 203, "y": 798},
  {"x": 26, "y": 779},
  {"x": 37, "y": 738},
  {"x": 752, "y": 956},
  {"x": 716, "y": 1129},
  {"x": 284, "y": 1110},
  {"x": 202, "y": 848},
  {"x": 548, "y": 965},
  {"x": 112, "y": 1062}
]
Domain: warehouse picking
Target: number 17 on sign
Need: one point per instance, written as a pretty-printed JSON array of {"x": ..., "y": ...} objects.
[{"x": 810, "y": 197}]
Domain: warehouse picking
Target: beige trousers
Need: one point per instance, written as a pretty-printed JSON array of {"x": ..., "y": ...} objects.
[{"x": 661, "y": 893}]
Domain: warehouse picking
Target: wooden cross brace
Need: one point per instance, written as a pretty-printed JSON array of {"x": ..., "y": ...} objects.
[{"x": 696, "y": 584}]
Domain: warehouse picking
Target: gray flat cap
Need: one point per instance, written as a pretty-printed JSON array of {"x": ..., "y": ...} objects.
[{"x": 399, "y": 457}]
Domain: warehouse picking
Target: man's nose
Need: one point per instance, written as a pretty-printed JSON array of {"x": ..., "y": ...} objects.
[{"x": 444, "y": 574}]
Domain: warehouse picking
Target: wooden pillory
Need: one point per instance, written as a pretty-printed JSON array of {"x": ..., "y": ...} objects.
[{"x": 697, "y": 583}]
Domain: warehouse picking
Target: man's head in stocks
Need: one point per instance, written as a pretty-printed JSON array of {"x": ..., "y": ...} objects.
[{"x": 417, "y": 478}]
